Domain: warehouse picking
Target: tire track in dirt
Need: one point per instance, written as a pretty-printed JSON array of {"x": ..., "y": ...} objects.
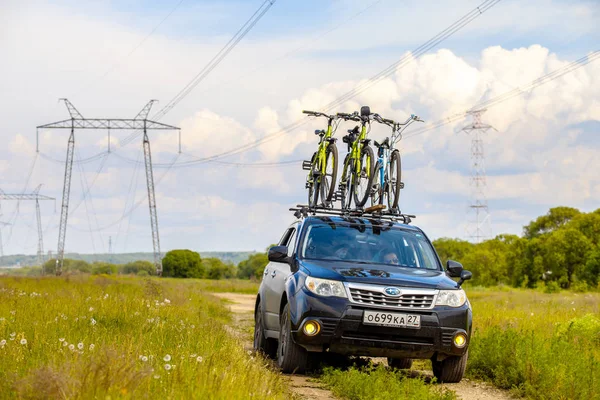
[{"x": 242, "y": 307}]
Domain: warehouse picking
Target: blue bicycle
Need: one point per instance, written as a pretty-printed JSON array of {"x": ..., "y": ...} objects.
[{"x": 388, "y": 170}]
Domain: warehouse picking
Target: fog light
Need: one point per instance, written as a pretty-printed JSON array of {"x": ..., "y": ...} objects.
[
  {"x": 311, "y": 328},
  {"x": 460, "y": 340}
]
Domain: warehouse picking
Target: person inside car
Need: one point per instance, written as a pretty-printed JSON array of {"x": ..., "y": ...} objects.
[{"x": 389, "y": 256}]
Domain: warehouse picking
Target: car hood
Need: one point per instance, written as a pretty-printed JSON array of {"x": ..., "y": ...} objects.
[{"x": 378, "y": 274}]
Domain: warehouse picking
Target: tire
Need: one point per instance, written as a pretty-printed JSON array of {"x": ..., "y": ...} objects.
[
  {"x": 262, "y": 344},
  {"x": 313, "y": 189},
  {"x": 364, "y": 182},
  {"x": 347, "y": 177},
  {"x": 378, "y": 191},
  {"x": 394, "y": 180},
  {"x": 328, "y": 181},
  {"x": 451, "y": 369},
  {"x": 400, "y": 363},
  {"x": 291, "y": 358}
]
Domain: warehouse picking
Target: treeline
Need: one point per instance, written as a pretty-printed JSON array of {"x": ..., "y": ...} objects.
[{"x": 557, "y": 250}]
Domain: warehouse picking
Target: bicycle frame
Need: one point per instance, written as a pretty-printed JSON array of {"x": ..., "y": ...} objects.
[{"x": 356, "y": 150}]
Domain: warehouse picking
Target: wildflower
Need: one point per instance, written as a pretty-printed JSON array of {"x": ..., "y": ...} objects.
[
  {"x": 92, "y": 346},
  {"x": 23, "y": 341},
  {"x": 168, "y": 367},
  {"x": 62, "y": 339},
  {"x": 106, "y": 296},
  {"x": 91, "y": 309},
  {"x": 167, "y": 358},
  {"x": 144, "y": 358},
  {"x": 249, "y": 352},
  {"x": 199, "y": 359},
  {"x": 13, "y": 312},
  {"x": 193, "y": 355},
  {"x": 192, "y": 326},
  {"x": 167, "y": 301},
  {"x": 92, "y": 321},
  {"x": 65, "y": 344},
  {"x": 2, "y": 342},
  {"x": 2, "y": 319},
  {"x": 80, "y": 346},
  {"x": 13, "y": 334},
  {"x": 71, "y": 347},
  {"x": 156, "y": 376}
]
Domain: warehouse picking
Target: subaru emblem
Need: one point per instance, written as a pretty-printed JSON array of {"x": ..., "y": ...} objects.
[{"x": 392, "y": 291}]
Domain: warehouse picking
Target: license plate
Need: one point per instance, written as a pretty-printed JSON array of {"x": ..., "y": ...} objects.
[{"x": 391, "y": 319}]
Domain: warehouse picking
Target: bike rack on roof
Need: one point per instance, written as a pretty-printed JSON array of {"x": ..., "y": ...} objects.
[{"x": 374, "y": 212}]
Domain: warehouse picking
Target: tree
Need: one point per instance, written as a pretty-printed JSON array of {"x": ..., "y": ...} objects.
[
  {"x": 452, "y": 249},
  {"x": 588, "y": 224},
  {"x": 591, "y": 271},
  {"x": 565, "y": 254},
  {"x": 554, "y": 219},
  {"x": 136, "y": 266},
  {"x": 104, "y": 268},
  {"x": 183, "y": 264},
  {"x": 253, "y": 266},
  {"x": 217, "y": 269}
]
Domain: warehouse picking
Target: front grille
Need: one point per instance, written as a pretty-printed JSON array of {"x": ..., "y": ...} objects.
[
  {"x": 408, "y": 300},
  {"x": 386, "y": 337}
]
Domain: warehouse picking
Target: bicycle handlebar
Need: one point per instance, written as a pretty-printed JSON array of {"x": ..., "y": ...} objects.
[
  {"x": 352, "y": 117},
  {"x": 318, "y": 114}
]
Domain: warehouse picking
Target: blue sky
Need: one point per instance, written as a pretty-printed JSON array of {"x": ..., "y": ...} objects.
[{"x": 300, "y": 55}]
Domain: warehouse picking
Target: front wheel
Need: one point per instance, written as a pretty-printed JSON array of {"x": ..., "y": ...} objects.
[
  {"x": 451, "y": 369},
  {"x": 328, "y": 179},
  {"x": 290, "y": 356},
  {"x": 346, "y": 186},
  {"x": 363, "y": 181},
  {"x": 394, "y": 181},
  {"x": 400, "y": 363}
]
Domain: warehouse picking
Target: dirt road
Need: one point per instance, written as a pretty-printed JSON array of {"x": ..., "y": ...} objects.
[{"x": 242, "y": 307}]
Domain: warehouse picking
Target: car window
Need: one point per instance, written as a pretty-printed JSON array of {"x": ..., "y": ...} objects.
[
  {"x": 291, "y": 243},
  {"x": 369, "y": 244}
]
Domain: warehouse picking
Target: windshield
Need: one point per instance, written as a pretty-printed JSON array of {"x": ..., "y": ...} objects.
[{"x": 367, "y": 244}]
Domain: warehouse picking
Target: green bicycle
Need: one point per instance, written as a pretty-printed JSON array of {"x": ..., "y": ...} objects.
[
  {"x": 323, "y": 165},
  {"x": 359, "y": 164}
]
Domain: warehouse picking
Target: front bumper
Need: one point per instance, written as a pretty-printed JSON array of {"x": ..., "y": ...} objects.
[{"x": 343, "y": 332}]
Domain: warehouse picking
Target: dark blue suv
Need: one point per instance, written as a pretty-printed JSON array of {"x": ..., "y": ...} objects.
[{"x": 364, "y": 287}]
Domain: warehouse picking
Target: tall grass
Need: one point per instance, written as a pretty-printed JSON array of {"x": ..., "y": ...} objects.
[
  {"x": 98, "y": 337},
  {"x": 542, "y": 346}
]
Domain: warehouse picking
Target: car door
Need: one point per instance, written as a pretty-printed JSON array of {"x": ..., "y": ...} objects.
[{"x": 274, "y": 278}]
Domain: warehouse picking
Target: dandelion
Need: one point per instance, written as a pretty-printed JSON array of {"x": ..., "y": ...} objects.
[
  {"x": 249, "y": 352},
  {"x": 92, "y": 346},
  {"x": 62, "y": 339},
  {"x": 65, "y": 344},
  {"x": 13, "y": 334},
  {"x": 106, "y": 296},
  {"x": 91, "y": 309},
  {"x": 2, "y": 319},
  {"x": 2, "y": 342},
  {"x": 156, "y": 376},
  {"x": 167, "y": 301},
  {"x": 13, "y": 312},
  {"x": 71, "y": 347},
  {"x": 167, "y": 358},
  {"x": 144, "y": 358},
  {"x": 80, "y": 346},
  {"x": 199, "y": 359},
  {"x": 23, "y": 341},
  {"x": 168, "y": 367},
  {"x": 192, "y": 326},
  {"x": 92, "y": 321},
  {"x": 193, "y": 355}
]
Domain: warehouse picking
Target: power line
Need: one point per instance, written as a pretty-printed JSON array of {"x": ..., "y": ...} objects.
[{"x": 211, "y": 65}]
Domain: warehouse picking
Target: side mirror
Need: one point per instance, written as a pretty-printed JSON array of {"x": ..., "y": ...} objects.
[
  {"x": 454, "y": 268},
  {"x": 365, "y": 111},
  {"x": 464, "y": 276},
  {"x": 279, "y": 254}
]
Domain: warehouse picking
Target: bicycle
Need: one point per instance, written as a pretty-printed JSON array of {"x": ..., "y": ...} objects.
[
  {"x": 323, "y": 165},
  {"x": 388, "y": 168},
  {"x": 357, "y": 176}
]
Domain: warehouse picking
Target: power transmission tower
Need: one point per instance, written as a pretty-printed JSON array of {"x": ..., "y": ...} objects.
[
  {"x": 35, "y": 195},
  {"x": 480, "y": 228},
  {"x": 110, "y": 245},
  {"x": 140, "y": 122}
]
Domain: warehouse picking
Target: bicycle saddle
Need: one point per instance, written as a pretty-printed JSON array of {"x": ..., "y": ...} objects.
[{"x": 354, "y": 130}]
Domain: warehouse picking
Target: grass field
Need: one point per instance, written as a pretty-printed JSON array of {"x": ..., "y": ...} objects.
[{"x": 88, "y": 337}]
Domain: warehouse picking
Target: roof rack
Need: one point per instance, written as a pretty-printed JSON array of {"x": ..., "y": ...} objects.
[{"x": 375, "y": 212}]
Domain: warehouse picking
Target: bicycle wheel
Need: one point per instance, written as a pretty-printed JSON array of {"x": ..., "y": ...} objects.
[
  {"x": 364, "y": 181},
  {"x": 346, "y": 186},
  {"x": 378, "y": 191},
  {"x": 328, "y": 180},
  {"x": 394, "y": 181},
  {"x": 313, "y": 187}
]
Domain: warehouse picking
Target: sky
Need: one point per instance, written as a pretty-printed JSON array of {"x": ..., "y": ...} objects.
[{"x": 109, "y": 58}]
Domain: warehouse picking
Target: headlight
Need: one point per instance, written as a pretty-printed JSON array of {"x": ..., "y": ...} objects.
[
  {"x": 452, "y": 298},
  {"x": 325, "y": 287}
]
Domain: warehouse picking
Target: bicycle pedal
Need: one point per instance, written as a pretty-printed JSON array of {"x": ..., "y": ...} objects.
[
  {"x": 401, "y": 185},
  {"x": 306, "y": 165}
]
